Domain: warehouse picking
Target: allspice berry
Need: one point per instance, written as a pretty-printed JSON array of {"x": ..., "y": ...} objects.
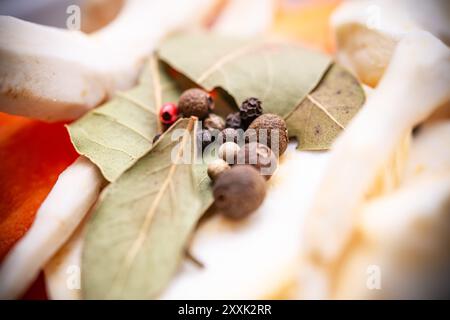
[
  {"x": 195, "y": 102},
  {"x": 260, "y": 157},
  {"x": 239, "y": 191},
  {"x": 233, "y": 120},
  {"x": 214, "y": 121},
  {"x": 228, "y": 152},
  {"x": 262, "y": 129},
  {"x": 216, "y": 167}
]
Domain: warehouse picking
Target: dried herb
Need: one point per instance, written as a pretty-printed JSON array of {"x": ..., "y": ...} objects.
[
  {"x": 326, "y": 111},
  {"x": 115, "y": 135},
  {"x": 283, "y": 75},
  {"x": 136, "y": 237}
]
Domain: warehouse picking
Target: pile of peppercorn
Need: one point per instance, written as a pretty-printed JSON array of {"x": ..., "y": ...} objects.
[{"x": 247, "y": 156}]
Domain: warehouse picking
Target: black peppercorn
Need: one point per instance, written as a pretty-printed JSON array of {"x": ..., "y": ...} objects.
[
  {"x": 250, "y": 110},
  {"x": 233, "y": 120},
  {"x": 228, "y": 135},
  {"x": 239, "y": 191},
  {"x": 204, "y": 138},
  {"x": 195, "y": 102}
]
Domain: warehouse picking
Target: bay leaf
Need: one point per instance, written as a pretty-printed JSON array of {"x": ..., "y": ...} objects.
[
  {"x": 116, "y": 134},
  {"x": 280, "y": 74},
  {"x": 136, "y": 237},
  {"x": 326, "y": 111},
  {"x": 298, "y": 84}
]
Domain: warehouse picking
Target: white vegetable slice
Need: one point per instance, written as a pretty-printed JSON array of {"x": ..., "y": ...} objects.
[
  {"x": 74, "y": 193},
  {"x": 405, "y": 235},
  {"x": 54, "y": 74},
  {"x": 430, "y": 152},
  {"x": 367, "y": 31},
  {"x": 63, "y": 272},
  {"x": 413, "y": 86}
]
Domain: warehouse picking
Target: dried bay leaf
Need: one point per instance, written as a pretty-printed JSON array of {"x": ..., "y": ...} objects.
[
  {"x": 326, "y": 111},
  {"x": 203, "y": 181},
  {"x": 280, "y": 74},
  {"x": 296, "y": 83},
  {"x": 116, "y": 134},
  {"x": 138, "y": 232}
]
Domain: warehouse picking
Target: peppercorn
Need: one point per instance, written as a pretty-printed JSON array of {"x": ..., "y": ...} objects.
[
  {"x": 216, "y": 167},
  {"x": 204, "y": 138},
  {"x": 228, "y": 152},
  {"x": 250, "y": 110},
  {"x": 195, "y": 102},
  {"x": 260, "y": 157},
  {"x": 233, "y": 120},
  {"x": 227, "y": 135},
  {"x": 262, "y": 129},
  {"x": 168, "y": 113},
  {"x": 239, "y": 191},
  {"x": 213, "y": 121}
]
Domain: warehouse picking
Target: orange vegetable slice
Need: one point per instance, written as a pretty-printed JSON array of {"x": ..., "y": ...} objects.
[{"x": 32, "y": 155}]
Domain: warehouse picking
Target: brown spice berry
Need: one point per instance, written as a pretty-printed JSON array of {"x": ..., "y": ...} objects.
[
  {"x": 213, "y": 121},
  {"x": 195, "y": 102},
  {"x": 233, "y": 120},
  {"x": 228, "y": 135},
  {"x": 228, "y": 152},
  {"x": 261, "y": 130},
  {"x": 216, "y": 167},
  {"x": 250, "y": 110},
  {"x": 259, "y": 156},
  {"x": 239, "y": 191}
]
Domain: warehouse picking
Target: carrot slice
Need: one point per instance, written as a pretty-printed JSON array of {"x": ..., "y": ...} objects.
[{"x": 32, "y": 155}]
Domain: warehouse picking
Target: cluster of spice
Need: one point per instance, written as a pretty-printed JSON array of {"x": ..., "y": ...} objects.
[{"x": 249, "y": 144}]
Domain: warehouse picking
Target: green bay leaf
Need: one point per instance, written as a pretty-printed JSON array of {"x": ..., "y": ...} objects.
[
  {"x": 115, "y": 135},
  {"x": 294, "y": 82},
  {"x": 326, "y": 111},
  {"x": 136, "y": 237},
  {"x": 281, "y": 74}
]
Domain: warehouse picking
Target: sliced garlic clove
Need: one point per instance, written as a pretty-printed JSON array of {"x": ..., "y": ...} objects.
[
  {"x": 74, "y": 193},
  {"x": 367, "y": 32},
  {"x": 54, "y": 74},
  {"x": 413, "y": 86},
  {"x": 63, "y": 271}
]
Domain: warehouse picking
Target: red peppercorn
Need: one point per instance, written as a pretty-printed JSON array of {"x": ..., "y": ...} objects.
[{"x": 168, "y": 113}]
